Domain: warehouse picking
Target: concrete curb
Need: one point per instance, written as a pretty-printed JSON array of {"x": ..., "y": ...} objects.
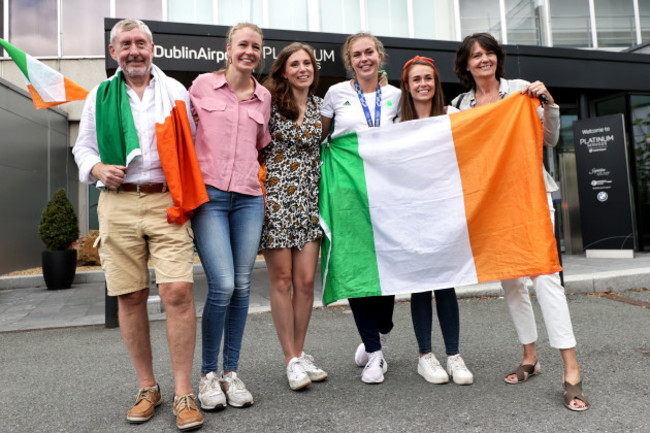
[
  {"x": 83, "y": 277},
  {"x": 600, "y": 282},
  {"x": 608, "y": 281}
]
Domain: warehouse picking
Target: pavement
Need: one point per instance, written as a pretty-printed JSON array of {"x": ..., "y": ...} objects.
[
  {"x": 62, "y": 371},
  {"x": 26, "y": 304}
]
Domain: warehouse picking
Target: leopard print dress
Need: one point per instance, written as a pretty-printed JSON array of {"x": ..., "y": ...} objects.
[{"x": 292, "y": 162}]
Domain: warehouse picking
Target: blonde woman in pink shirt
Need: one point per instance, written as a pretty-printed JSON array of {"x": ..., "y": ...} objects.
[{"x": 233, "y": 112}]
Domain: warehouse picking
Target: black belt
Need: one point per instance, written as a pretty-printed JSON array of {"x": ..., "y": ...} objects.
[{"x": 146, "y": 188}]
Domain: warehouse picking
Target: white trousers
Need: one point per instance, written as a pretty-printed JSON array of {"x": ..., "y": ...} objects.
[{"x": 552, "y": 301}]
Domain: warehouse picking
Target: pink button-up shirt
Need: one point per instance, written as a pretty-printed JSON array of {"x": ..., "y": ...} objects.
[{"x": 230, "y": 133}]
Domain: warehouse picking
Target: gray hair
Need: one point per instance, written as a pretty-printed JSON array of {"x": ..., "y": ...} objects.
[{"x": 128, "y": 25}]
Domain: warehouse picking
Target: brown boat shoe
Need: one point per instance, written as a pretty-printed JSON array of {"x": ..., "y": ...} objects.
[
  {"x": 145, "y": 403},
  {"x": 188, "y": 416}
]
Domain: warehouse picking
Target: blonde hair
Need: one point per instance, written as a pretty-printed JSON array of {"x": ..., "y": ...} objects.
[
  {"x": 345, "y": 50},
  {"x": 244, "y": 25}
]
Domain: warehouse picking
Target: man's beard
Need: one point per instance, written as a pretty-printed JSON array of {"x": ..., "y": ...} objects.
[{"x": 134, "y": 73}]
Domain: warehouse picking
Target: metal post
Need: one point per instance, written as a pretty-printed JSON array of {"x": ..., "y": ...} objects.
[{"x": 110, "y": 310}]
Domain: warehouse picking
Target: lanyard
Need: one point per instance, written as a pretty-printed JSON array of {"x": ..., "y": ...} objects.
[{"x": 364, "y": 105}]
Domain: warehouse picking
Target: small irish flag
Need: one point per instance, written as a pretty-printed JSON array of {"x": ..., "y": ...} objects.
[
  {"x": 435, "y": 203},
  {"x": 47, "y": 86}
]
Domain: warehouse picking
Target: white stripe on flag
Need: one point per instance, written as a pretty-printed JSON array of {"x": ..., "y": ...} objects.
[
  {"x": 429, "y": 187},
  {"x": 48, "y": 83}
]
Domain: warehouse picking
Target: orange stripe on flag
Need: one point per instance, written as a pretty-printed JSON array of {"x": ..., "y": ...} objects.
[
  {"x": 38, "y": 101},
  {"x": 73, "y": 91},
  {"x": 499, "y": 152},
  {"x": 179, "y": 162}
]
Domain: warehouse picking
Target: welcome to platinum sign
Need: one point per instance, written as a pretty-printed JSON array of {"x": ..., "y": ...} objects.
[{"x": 603, "y": 183}]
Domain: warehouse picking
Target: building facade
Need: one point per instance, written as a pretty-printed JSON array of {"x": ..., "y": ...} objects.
[
  {"x": 68, "y": 28},
  {"x": 580, "y": 49}
]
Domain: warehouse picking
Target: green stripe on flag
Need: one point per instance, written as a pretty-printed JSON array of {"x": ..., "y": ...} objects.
[
  {"x": 117, "y": 137},
  {"x": 349, "y": 262},
  {"x": 18, "y": 56}
]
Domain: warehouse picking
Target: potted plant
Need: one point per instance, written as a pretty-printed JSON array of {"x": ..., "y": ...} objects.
[{"x": 58, "y": 229}]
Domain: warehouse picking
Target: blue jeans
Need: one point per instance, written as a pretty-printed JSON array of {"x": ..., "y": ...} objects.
[
  {"x": 448, "y": 316},
  {"x": 227, "y": 235}
]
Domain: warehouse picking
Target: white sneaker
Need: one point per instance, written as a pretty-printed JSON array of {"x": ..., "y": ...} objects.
[
  {"x": 315, "y": 373},
  {"x": 361, "y": 356},
  {"x": 457, "y": 370},
  {"x": 374, "y": 370},
  {"x": 236, "y": 393},
  {"x": 298, "y": 378},
  {"x": 431, "y": 370},
  {"x": 210, "y": 394}
]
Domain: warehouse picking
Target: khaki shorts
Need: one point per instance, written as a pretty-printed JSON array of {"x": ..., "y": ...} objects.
[{"x": 133, "y": 230}]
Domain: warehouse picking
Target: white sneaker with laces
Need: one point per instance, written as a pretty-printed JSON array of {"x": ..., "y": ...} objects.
[
  {"x": 361, "y": 356},
  {"x": 210, "y": 394},
  {"x": 315, "y": 373},
  {"x": 374, "y": 370},
  {"x": 458, "y": 372},
  {"x": 431, "y": 370},
  {"x": 236, "y": 393},
  {"x": 298, "y": 378}
]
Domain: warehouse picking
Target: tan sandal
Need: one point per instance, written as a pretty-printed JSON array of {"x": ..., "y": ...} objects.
[
  {"x": 524, "y": 372},
  {"x": 572, "y": 392}
]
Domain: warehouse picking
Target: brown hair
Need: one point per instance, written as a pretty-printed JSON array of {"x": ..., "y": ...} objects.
[
  {"x": 281, "y": 92},
  {"x": 345, "y": 50},
  {"x": 407, "y": 108},
  {"x": 488, "y": 43},
  {"x": 237, "y": 27}
]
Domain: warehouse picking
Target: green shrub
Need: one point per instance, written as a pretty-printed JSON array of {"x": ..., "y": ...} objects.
[{"x": 59, "y": 226}]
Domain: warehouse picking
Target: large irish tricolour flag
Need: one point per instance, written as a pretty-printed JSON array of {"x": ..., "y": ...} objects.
[
  {"x": 47, "y": 86},
  {"x": 435, "y": 203}
]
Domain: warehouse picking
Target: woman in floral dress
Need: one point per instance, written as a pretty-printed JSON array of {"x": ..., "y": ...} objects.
[{"x": 291, "y": 233}]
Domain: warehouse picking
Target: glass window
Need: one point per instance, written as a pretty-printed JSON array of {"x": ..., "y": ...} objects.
[
  {"x": 524, "y": 22},
  {"x": 613, "y": 105},
  {"x": 480, "y": 16},
  {"x": 640, "y": 117},
  {"x": 340, "y": 16},
  {"x": 231, "y": 13},
  {"x": 33, "y": 26},
  {"x": 615, "y": 23},
  {"x": 565, "y": 141},
  {"x": 288, "y": 14},
  {"x": 190, "y": 11},
  {"x": 387, "y": 18},
  {"x": 644, "y": 13},
  {"x": 570, "y": 22},
  {"x": 141, "y": 9},
  {"x": 433, "y": 19},
  {"x": 82, "y": 17}
]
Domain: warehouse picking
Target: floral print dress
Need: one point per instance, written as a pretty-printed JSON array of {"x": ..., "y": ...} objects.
[{"x": 292, "y": 162}]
